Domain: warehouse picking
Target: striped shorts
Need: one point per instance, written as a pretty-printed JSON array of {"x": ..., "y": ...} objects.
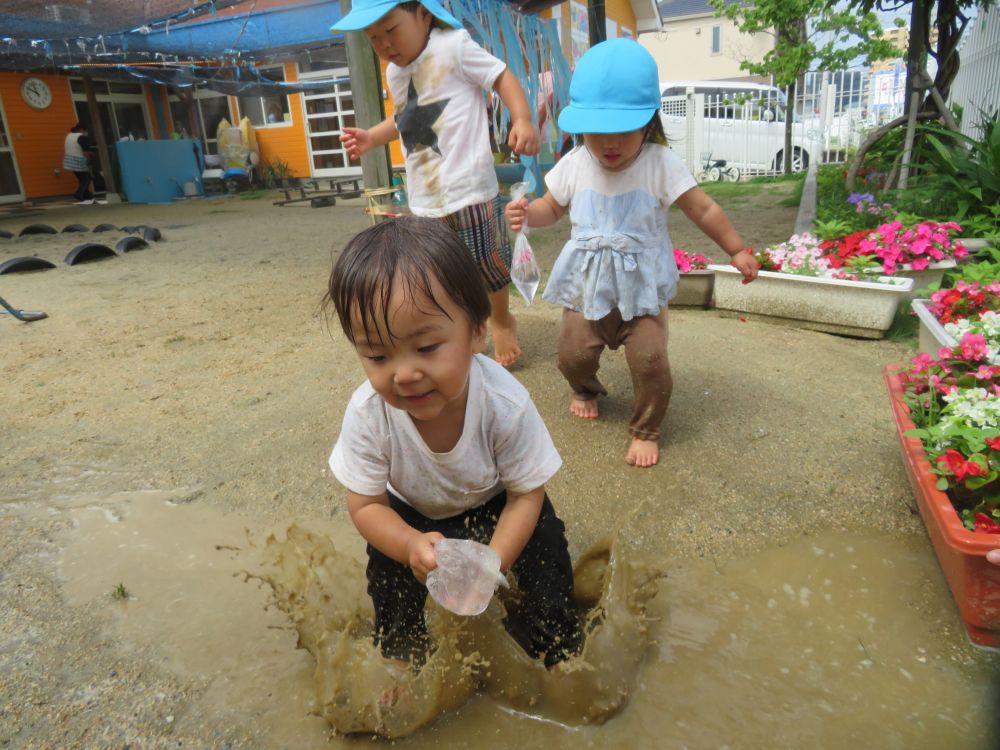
[{"x": 483, "y": 230}]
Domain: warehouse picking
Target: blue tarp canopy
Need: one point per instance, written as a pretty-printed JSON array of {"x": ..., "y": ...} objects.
[{"x": 176, "y": 42}]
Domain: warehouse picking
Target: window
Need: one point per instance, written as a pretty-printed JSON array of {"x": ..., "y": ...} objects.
[
  {"x": 717, "y": 40},
  {"x": 122, "y": 107},
  {"x": 265, "y": 111},
  {"x": 210, "y": 108}
]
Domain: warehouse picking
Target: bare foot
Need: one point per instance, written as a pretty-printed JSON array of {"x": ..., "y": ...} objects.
[
  {"x": 584, "y": 409},
  {"x": 506, "y": 347},
  {"x": 643, "y": 453}
]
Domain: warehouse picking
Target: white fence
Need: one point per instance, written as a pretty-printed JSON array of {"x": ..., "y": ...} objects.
[
  {"x": 977, "y": 85},
  {"x": 744, "y": 126}
]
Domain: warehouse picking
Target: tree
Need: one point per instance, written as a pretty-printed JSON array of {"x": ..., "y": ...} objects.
[
  {"x": 949, "y": 19},
  {"x": 798, "y": 43}
]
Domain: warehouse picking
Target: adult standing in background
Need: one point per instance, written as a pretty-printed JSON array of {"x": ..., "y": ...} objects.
[{"x": 77, "y": 147}]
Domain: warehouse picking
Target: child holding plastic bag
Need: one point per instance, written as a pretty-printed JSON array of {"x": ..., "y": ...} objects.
[
  {"x": 617, "y": 273},
  {"x": 441, "y": 441},
  {"x": 523, "y": 268}
]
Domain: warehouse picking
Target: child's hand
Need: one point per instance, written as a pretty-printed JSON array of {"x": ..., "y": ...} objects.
[
  {"x": 420, "y": 553},
  {"x": 523, "y": 138},
  {"x": 516, "y": 211},
  {"x": 747, "y": 265},
  {"x": 356, "y": 141}
]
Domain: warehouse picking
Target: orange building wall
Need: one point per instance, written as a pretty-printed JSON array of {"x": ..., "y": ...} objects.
[
  {"x": 620, "y": 11},
  {"x": 37, "y": 136},
  {"x": 287, "y": 142}
]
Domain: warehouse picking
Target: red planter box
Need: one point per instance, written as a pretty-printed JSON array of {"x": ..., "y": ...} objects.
[{"x": 974, "y": 583}]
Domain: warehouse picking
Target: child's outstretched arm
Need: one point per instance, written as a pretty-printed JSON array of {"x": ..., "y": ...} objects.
[
  {"x": 523, "y": 138},
  {"x": 359, "y": 140},
  {"x": 712, "y": 220},
  {"x": 541, "y": 212},
  {"x": 516, "y": 525},
  {"x": 384, "y": 530}
]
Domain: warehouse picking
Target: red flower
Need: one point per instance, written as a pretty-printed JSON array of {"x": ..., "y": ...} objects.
[
  {"x": 986, "y": 524},
  {"x": 953, "y": 462},
  {"x": 994, "y": 443}
]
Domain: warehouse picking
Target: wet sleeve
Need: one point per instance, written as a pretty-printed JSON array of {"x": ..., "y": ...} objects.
[
  {"x": 360, "y": 459},
  {"x": 525, "y": 454},
  {"x": 478, "y": 66}
]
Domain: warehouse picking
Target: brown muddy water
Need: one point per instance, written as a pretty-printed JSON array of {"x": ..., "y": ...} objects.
[{"x": 822, "y": 642}]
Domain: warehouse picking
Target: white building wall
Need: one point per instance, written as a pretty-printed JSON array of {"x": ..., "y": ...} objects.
[{"x": 683, "y": 49}]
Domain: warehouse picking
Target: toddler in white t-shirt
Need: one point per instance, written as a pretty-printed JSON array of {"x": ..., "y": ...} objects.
[
  {"x": 441, "y": 441},
  {"x": 437, "y": 75}
]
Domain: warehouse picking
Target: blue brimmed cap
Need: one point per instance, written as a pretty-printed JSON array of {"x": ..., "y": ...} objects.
[
  {"x": 364, "y": 13},
  {"x": 615, "y": 88}
]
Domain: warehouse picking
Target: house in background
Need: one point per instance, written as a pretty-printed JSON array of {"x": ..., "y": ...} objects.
[{"x": 694, "y": 44}]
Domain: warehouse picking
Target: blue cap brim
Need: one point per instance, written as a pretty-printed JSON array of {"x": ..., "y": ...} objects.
[
  {"x": 579, "y": 120},
  {"x": 361, "y": 18}
]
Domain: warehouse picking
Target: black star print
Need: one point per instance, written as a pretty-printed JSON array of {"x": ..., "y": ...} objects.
[{"x": 415, "y": 122}]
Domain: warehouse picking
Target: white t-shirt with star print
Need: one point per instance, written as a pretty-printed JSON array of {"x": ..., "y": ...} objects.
[{"x": 443, "y": 125}]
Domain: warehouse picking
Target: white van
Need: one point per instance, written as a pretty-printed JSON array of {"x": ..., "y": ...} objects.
[{"x": 740, "y": 123}]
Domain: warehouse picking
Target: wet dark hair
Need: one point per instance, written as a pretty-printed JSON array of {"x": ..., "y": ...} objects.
[
  {"x": 410, "y": 250},
  {"x": 652, "y": 132}
]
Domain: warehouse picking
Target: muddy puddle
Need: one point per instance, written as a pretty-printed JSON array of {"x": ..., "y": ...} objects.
[{"x": 827, "y": 641}]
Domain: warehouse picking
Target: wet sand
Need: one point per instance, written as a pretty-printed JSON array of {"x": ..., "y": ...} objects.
[{"x": 200, "y": 372}]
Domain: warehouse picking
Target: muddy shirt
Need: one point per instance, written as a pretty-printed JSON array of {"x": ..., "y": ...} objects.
[
  {"x": 442, "y": 123},
  {"x": 504, "y": 444}
]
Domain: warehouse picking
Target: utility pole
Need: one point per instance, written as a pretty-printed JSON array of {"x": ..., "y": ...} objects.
[{"x": 366, "y": 90}]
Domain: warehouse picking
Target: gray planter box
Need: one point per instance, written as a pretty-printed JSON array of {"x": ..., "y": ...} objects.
[
  {"x": 694, "y": 289},
  {"x": 851, "y": 308}
]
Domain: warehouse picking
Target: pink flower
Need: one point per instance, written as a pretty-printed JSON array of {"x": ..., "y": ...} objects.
[
  {"x": 974, "y": 347},
  {"x": 922, "y": 362}
]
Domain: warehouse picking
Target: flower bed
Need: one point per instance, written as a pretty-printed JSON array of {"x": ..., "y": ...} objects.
[
  {"x": 923, "y": 252},
  {"x": 952, "y": 313},
  {"x": 852, "y": 308},
  {"x": 947, "y": 413},
  {"x": 696, "y": 282}
]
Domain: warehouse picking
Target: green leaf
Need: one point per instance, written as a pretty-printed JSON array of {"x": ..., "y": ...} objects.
[{"x": 942, "y": 484}]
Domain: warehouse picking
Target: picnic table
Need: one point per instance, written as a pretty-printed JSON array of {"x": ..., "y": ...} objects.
[{"x": 311, "y": 191}]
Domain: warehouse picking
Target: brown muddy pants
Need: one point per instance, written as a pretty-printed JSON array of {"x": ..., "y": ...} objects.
[{"x": 581, "y": 343}]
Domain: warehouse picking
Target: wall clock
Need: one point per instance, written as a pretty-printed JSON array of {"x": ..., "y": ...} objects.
[{"x": 36, "y": 93}]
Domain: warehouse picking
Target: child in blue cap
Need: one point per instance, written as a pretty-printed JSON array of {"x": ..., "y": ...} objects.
[
  {"x": 437, "y": 75},
  {"x": 617, "y": 273}
]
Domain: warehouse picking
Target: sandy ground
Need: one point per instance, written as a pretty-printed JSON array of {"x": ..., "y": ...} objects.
[{"x": 201, "y": 366}]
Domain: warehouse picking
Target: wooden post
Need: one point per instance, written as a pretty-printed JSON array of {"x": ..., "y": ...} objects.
[
  {"x": 366, "y": 90},
  {"x": 98, "y": 130},
  {"x": 596, "y": 22}
]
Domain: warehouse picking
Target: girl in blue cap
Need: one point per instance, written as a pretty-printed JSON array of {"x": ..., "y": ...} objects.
[
  {"x": 437, "y": 75},
  {"x": 617, "y": 273}
]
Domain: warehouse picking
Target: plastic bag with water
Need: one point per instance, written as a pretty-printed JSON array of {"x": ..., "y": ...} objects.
[
  {"x": 466, "y": 576},
  {"x": 523, "y": 270}
]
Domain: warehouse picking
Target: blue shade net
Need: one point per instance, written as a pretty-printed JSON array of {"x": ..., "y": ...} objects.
[{"x": 218, "y": 44}]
